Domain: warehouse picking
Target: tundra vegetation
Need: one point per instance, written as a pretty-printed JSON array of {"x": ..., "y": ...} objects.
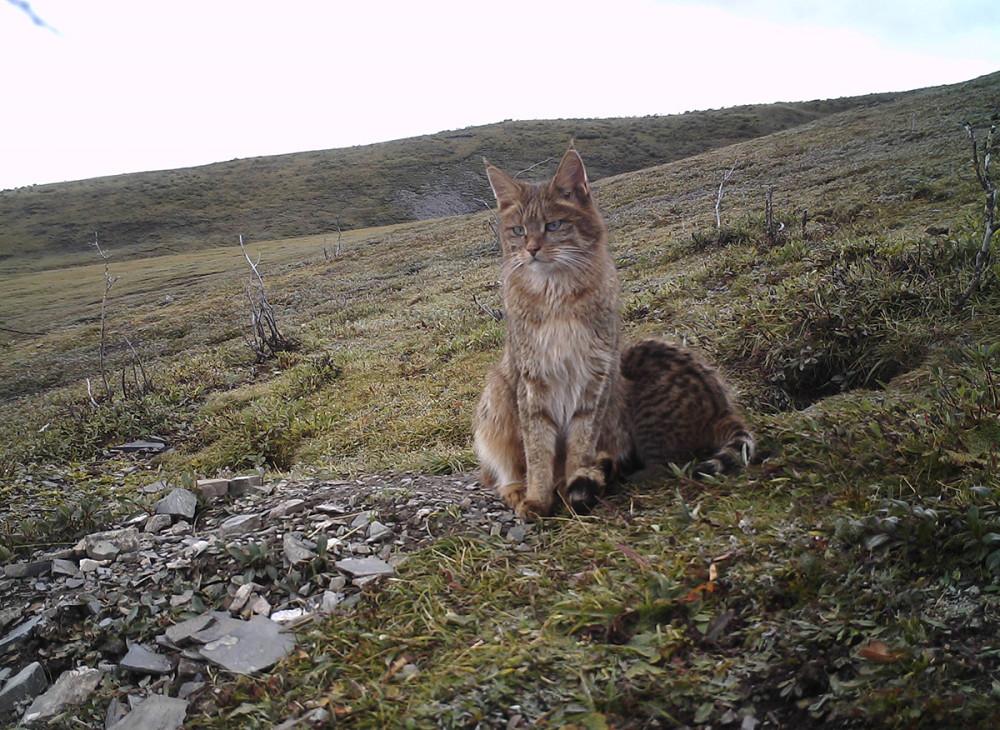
[{"x": 850, "y": 579}]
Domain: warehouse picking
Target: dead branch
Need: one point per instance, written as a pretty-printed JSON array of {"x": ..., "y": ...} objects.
[
  {"x": 988, "y": 184},
  {"x": 529, "y": 168},
  {"x": 19, "y": 332},
  {"x": 493, "y": 312},
  {"x": 109, "y": 281},
  {"x": 147, "y": 384},
  {"x": 340, "y": 235},
  {"x": 264, "y": 337},
  {"x": 493, "y": 223},
  {"x": 718, "y": 198}
]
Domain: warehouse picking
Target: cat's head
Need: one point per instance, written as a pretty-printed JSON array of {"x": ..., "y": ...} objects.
[{"x": 548, "y": 227}]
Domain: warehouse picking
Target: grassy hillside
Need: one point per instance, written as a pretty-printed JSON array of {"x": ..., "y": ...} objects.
[
  {"x": 849, "y": 580},
  {"x": 155, "y": 213}
]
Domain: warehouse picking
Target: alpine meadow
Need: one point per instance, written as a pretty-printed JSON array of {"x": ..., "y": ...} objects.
[{"x": 826, "y": 256}]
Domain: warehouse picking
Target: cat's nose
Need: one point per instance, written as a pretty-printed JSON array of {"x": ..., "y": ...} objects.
[{"x": 534, "y": 246}]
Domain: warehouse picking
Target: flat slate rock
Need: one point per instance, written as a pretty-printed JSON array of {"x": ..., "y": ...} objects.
[
  {"x": 156, "y": 712},
  {"x": 19, "y": 633},
  {"x": 25, "y": 685},
  {"x": 213, "y": 489},
  {"x": 27, "y": 570},
  {"x": 179, "y": 502},
  {"x": 295, "y": 550},
  {"x": 361, "y": 567},
  {"x": 180, "y": 633},
  {"x": 239, "y": 524},
  {"x": 72, "y": 688},
  {"x": 126, "y": 540},
  {"x": 248, "y": 646},
  {"x": 140, "y": 445},
  {"x": 141, "y": 660}
]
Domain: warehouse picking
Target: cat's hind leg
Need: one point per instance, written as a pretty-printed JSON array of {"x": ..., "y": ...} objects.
[{"x": 497, "y": 441}]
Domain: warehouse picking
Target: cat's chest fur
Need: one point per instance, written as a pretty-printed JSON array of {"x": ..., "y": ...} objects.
[{"x": 565, "y": 355}]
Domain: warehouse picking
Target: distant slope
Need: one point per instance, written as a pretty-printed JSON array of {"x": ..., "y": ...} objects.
[{"x": 305, "y": 193}]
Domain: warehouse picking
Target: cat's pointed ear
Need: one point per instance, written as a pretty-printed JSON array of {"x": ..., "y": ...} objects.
[
  {"x": 505, "y": 188},
  {"x": 571, "y": 177}
]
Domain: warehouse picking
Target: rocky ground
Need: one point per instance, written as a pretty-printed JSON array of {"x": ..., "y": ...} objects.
[{"x": 217, "y": 577}]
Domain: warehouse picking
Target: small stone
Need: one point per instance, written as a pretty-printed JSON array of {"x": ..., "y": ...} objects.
[
  {"x": 239, "y": 524},
  {"x": 337, "y": 583},
  {"x": 141, "y": 445},
  {"x": 517, "y": 533},
  {"x": 72, "y": 688},
  {"x": 25, "y": 685},
  {"x": 212, "y": 489},
  {"x": 289, "y": 614},
  {"x": 115, "y": 712},
  {"x": 27, "y": 570},
  {"x": 288, "y": 507},
  {"x": 65, "y": 567},
  {"x": 154, "y": 487},
  {"x": 141, "y": 660},
  {"x": 260, "y": 606},
  {"x": 88, "y": 565},
  {"x": 361, "y": 567},
  {"x": 157, "y": 523},
  {"x": 189, "y": 688},
  {"x": 74, "y": 583},
  {"x": 182, "y": 527},
  {"x": 189, "y": 668},
  {"x": 102, "y": 550},
  {"x": 9, "y": 615},
  {"x": 241, "y": 596},
  {"x": 330, "y": 508},
  {"x": 19, "y": 633},
  {"x": 330, "y": 601},
  {"x": 180, "y": 503},
  {"x": 377, "y": 531},
  {"x": 156, "y": 712},
  {"x": 361, "y": 520},
  {"x": 238, "y": 486},
  {"x": 294, "y": 549},
  {"x": 181, "y": 632},
  {"x": 137, "y": 519},
  {"x": 181, "y": 599}
]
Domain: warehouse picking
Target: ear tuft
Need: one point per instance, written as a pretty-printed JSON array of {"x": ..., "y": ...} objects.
[{"x": 571, "y": 176}]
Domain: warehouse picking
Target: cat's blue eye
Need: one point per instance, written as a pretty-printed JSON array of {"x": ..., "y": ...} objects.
[
  {"x": 553, "y": 225},
  {"x": 517, "y": 230}
]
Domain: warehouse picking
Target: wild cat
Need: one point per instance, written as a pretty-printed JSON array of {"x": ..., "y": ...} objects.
[{"x": 564, "y": 408}]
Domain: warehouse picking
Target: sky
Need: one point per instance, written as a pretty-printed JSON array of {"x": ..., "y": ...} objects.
[{"x": 112, "y": 86}]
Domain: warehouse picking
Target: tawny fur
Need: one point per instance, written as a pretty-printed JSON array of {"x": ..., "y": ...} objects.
[{"x": 557, "y": 418}]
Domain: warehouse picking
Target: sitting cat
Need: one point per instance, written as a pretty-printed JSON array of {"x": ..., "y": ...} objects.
[{"x": 558, "y": 416}]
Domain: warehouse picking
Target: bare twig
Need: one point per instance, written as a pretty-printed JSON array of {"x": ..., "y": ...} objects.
[
  {"x": 340, "y": 235},
  {"x": 990, "y": 227},
  {"x": 264, "y": 336},
  {"x": 529, "y": 168},
  {"x": 19, "y": 332},
  {"x": 718, "y": 198},
  {"x": 90, "y": 394},
  {"x": 109, "y": 281},
  {"x": 493, "y": 223},
  {"x": 147, "y": 384},
  {"x": 493, "y": 312}
]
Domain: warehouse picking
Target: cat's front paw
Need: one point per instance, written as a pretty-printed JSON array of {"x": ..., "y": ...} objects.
[
  {"x": 512, "y": 494},
  {"x": 584, "y": 488},
  {"x": 532, "y": 509}
]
